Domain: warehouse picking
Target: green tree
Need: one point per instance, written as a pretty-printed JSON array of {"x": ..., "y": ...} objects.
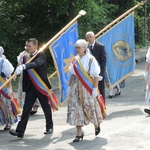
[
  {"x": 42, "y": 19},
  {"x": 21, "y": 20},
  {"x": 99, "y": 14}
]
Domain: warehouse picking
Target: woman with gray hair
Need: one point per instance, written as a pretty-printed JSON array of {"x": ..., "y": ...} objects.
[
  {"x": 83, "y": 106},
  {"x": 6, "y": 112}
]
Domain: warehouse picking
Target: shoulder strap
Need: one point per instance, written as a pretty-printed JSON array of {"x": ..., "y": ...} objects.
[{"x": 90, "y": 62}]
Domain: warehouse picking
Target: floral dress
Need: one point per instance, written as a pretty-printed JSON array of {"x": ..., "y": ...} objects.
[
  {"x": 82, "y": 107},
  {"x": 6, "y": 115}
]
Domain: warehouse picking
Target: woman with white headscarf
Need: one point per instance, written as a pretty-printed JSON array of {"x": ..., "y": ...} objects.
[
  {"x": 6, "y": 114},
  {"x": 83, "y": 106}
]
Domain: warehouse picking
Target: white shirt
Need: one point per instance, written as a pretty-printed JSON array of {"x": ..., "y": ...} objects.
[
  {"x": 148, "y": 56},
  {"x": 92, "y": 44},
  {"x": 7, "y": 67},
  {"x": 34, "y": 53},
  {"x": 20, "y": 57}
]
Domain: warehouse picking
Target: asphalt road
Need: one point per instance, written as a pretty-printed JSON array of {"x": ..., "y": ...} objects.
[{"x": 126, "y": 127}]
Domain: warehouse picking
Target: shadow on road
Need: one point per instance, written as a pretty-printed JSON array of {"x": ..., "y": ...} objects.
[{"x": 124, "y": 113}]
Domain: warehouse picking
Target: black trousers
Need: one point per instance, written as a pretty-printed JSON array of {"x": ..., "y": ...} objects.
[
  {"x": 101, "y": 87},
  {"x": 31, "y": 95}
]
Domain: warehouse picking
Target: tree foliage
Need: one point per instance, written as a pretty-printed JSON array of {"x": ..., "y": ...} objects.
[{"x": 42, "y": 19}]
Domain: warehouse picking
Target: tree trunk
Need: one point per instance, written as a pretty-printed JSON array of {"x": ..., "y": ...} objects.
[
  {"x": 72, "y": 9},
  {"x": 136, "y": 32}
]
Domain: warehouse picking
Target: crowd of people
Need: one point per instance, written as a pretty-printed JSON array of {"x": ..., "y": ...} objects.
[{"x": 86, "y": 89}]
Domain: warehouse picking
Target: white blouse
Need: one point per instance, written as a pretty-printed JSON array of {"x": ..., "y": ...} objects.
[
  {"x": 94, "y": 69},
  {"x": 7, "y": 68},
  {"x": 148, "y": 56}
]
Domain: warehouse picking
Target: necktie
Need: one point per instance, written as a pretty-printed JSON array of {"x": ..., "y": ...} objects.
[
  {"x": 31, "y": 55},
  {"x": 91, "y": 47}
]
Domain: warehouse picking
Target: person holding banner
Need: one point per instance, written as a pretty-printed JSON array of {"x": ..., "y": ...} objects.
[
  {"x": 21, "y": 95},
  {"x": 35, "y": 85},
  {"x": 7, "y": 116},
  {"x": 147, "y": 79},
  {"x": 84, "y": 105},
  {"x": 98, "y": 51}
]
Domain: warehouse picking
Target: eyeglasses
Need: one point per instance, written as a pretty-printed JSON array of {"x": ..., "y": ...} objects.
[{"x": 77, "y": 47}]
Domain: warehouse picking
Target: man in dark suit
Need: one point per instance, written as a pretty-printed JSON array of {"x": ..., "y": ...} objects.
[
  {"x": 33, "y": 92},
  {"x": 98, "y": 51}
]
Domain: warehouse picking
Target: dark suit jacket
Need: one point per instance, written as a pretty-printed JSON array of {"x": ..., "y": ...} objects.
[
  {"x": 99, "y": 53},
  {"x": 39, "y": 65}
]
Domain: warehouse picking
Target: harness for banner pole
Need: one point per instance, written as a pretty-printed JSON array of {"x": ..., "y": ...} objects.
[
  {"x": 119, "y": 18},
  {"x": 81, "y": 13}
]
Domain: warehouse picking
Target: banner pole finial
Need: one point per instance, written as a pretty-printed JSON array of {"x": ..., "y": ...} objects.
[{"x": 82, "y": 12}]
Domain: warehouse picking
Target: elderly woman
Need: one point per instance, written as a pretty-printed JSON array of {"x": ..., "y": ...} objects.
[
  {"x": 6, "y": 114},
  {"x": 83, "y": 106}
]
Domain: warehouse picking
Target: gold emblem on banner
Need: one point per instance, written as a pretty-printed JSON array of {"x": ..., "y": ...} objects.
[{"x": 122, "y": 50}]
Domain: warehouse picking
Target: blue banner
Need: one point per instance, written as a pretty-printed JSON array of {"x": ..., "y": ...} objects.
[
  {"x": 63, "y": 51},
  {"x": 119, "y": 44}
]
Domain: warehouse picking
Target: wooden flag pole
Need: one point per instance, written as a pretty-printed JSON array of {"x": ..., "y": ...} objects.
[
  {"x": 52, "y": 75},
  {"x": 81, "y": 13},
  {"x": 119, "y": 18}
]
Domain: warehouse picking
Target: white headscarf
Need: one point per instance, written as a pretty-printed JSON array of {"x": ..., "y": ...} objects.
[
  {"x": 81, "y": 43},
  {"x": 1, "y": 51},
  {"x": 7, "y": 67}
]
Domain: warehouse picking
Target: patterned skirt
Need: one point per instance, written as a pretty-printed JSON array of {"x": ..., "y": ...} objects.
[
  {"x": 6, "y": 115},
  {"x": 82, "y": 107}
]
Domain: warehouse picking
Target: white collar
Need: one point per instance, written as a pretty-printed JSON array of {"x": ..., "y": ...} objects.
[
  {"x": 92, "y": 44},
  {"x": 34, "y": 53}
]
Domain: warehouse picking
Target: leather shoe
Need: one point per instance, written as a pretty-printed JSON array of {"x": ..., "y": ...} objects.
[
  {"x": 118, "y": 93},
  {"x": 14, "y": 133},
  {"x": 32, "y": 112},
  {"x": 147, "y": 111},
  {"x": 110, "y": 96},
  {"x": 97, "y": 130},
  {"x": 7, "y": 127},
  {"x": 48, "y": 131}
]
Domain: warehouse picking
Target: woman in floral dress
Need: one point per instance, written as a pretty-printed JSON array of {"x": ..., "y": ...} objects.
[
  {"x": 83, "y": 106},
  {"x": 6, "y": 113}
]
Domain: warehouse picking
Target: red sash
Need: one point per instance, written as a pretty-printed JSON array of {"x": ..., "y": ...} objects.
[{"x": 87, "y": 82}]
